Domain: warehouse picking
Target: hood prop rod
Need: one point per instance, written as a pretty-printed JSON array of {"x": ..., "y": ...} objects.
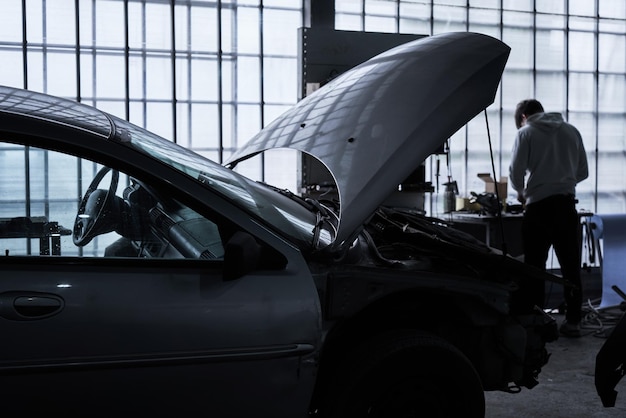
[{"x": 499, "y": 200}]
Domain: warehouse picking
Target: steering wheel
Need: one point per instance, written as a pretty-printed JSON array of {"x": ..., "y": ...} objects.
[{"x": 97, "y": 212}]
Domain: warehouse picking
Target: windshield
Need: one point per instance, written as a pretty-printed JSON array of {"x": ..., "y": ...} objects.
[{"x": 285, "y": 214}]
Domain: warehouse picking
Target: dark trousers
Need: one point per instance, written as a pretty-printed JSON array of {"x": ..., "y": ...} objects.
[{"x": 554, "y": 222}]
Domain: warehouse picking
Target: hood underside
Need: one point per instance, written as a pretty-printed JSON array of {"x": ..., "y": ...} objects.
[{"x": 375, "y": 124}]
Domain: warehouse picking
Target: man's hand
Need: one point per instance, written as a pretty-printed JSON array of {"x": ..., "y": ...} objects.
[{"x": 521, "y": 198}]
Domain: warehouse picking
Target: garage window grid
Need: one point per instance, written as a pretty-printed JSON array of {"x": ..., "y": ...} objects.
[
  {"x": 234, "y": 66},
  {"x": 571, "y": 55},
  {"x": 205, "y": 74}
]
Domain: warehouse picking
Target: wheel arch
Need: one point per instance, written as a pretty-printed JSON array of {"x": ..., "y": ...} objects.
[
  {"x": 455, "y": 318},
  {"x": 403, "y": 372}
]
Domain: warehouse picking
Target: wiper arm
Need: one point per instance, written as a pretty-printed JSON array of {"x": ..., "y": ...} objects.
[
  {"x": 288, "y": 193},
  {"x": 323, "y": 215}
]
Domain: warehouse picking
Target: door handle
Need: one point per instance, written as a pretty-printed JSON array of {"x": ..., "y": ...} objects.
[{"x": 27, "y": 306}]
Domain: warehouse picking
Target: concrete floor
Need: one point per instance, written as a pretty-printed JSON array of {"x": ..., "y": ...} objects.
[{"x": 566, "y": 384}]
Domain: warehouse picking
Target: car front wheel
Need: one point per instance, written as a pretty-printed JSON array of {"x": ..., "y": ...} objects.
[{"x": 405, "y": 374}]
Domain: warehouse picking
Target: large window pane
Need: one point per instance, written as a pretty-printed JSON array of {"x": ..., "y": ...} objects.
[
  {"x": 248, "y": 122},
  {"x": 491, "y": 4},
  {"x": 248, "y": 40},
  {"x": 520, "y": 39},
  {"x": 380, "y": 24},
  {"x": 612, "y": 93},
  {"x": 12, "y": 190},
  {"x": 485, "y": 21},
  {"x": 611, "y": 133},
  {"x": 109, "y": 26},
  {"x": 248, "y": 88},
  {"x": 182, "y": 79},
  {"x": 611, "y": 53},
  {"x": 280, "y": 30},
  {"x": 137, "y": 77},
  {"x": 136, "y": 25},
  {"x": 582, "y": 7},
  {"x": 60, "y": 27},
  {"x": 87, "y": 62},
  {"x": 11, "y": 70},
  {"x": 281, "y": 3},
  {"x": 183, "y": 125},
  {"x": 380, "y": 8},
  {"x": 229, "y": 115},
  {"x": 348, "y": 22},
  {"x": 280, "y": 80},
  {"x": 508, "y": 134},
  {"x": 62, "y": 63},
  {"x": 35, "y": 72},
  {"x": 203, "y": 30},
  {"x": 523, "y": 5},
  {"x": 35, "y": 19},
  {"x": 551, "y": 90},
  {"x": 550, "y": 7},
  {"x": 282, "y": 171},
  {"x": 585, "y": 24},
  {"x": 586, "y": 125},
  {"x": 204, "y": 79},
  {"x": 158, "y": 26},
  {"x": 228, "y": 81},
  {"x": 11, "y": 21},
  {"x": 612, "y": 175},
  {"x": 348, "y": 6},
  {"x": 159, "y": 77},
  {"x": 110, "y": 76},
  {"x": 227, "y": 40},
  {"x": 551, "y": 50},
  {"x": 204, "y": 125},
  {"x": 615, "y": 9},
  {"x": 517, "y": 85},
  {"x": 581, "y": 47},
  {"x": 449, "y": 19},
  {"x": 581, "y": 92},
  {"x": 159, "y": 119},
  {"x": 415, "y": 18}
]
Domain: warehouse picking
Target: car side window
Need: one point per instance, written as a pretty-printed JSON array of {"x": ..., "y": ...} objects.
[{"x": 53, "y": 204}]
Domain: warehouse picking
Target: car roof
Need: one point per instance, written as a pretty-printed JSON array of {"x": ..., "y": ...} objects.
[{"x": 55, "y": 110}]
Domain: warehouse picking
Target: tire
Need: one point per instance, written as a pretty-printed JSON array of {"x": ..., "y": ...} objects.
[{"x": 405, "y": 374}]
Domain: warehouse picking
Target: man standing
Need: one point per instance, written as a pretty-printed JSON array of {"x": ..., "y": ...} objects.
[{"x": 550, "y": 152}]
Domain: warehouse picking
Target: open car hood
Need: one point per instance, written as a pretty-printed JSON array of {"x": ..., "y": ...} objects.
[{"x": 376, "y": 123}]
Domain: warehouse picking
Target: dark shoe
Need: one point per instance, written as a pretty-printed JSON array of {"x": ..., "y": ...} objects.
[{"x": 569, "y": 329}]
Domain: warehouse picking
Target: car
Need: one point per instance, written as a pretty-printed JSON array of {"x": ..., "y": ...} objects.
[
  {"x": 610, "y": 360},
  {"x": 142, "y": 279}
]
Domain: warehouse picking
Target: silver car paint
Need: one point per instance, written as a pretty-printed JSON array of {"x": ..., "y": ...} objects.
[{"x": 376, "y": 123}]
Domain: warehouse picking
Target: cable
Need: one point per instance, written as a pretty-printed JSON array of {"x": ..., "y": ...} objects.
[{"x": 498, "y": 198}]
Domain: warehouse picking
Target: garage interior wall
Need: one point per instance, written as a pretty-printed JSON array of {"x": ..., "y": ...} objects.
[{"x": 209, "y": 74}]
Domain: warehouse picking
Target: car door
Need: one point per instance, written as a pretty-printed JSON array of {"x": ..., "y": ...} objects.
[{"x": 114, "y": 326}]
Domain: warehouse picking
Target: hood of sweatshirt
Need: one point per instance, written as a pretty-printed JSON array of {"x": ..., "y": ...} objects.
[{"x": 545, "y": 121}]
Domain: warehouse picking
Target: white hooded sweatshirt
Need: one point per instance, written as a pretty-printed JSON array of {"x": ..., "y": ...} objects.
[{"x": 552, "y": 153}]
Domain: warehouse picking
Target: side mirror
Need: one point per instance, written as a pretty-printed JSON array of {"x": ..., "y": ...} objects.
[{"x": 241, "y": 255}]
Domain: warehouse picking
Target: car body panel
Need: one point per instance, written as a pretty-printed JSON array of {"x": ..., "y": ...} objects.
[
  {"x": 203, "y": 292},
  {"x": 375, "y": 124},
  {"x": 175, "y": 326},
  {"x": 50, "y": 109},
  {"x": 131, "y": 324},
  {"x": 610, "y": 361}
]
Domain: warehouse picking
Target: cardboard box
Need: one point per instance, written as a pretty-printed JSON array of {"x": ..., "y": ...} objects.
[{"x": 490, "y": 185}]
